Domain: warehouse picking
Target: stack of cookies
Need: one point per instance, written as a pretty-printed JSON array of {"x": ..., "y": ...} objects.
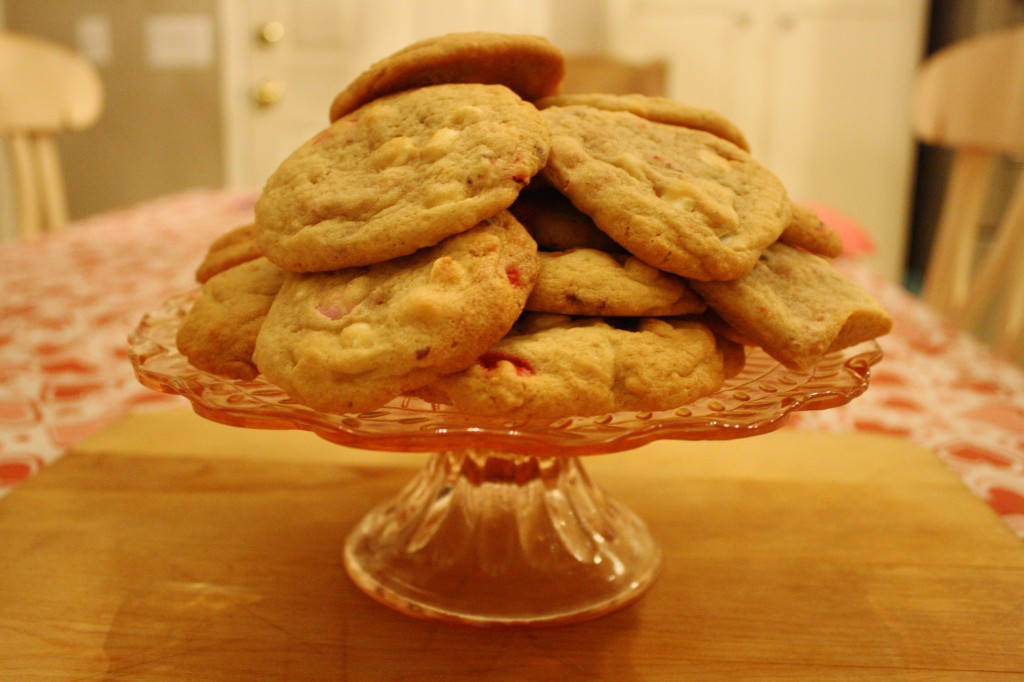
[{"x": 463, "y": 233}]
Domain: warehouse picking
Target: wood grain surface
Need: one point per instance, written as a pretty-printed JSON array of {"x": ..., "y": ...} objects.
[{"x": 168, "y": 548}]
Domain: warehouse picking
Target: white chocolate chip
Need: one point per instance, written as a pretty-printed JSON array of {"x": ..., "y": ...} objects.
[
  {"x": 465, "y": 115},
  {"x": 714, "y": 160},
  {"x": 357, "y": 335},
  {"x": 446, "y": 270},
  {"x": 395, "y": 152},
  {"x": 632, "y": 164},
  {"x": 439, "y": 144},
  {"x": 681, "y": 196},
  {"x": 443, "y": 193}
]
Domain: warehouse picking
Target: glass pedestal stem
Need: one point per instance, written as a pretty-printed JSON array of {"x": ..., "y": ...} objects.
[{"x": 485, "y": 538}]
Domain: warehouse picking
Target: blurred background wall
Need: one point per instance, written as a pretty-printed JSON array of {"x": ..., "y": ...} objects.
[
  {"x": 216, "y": 92},
  {"x": 161, "y": 123}
]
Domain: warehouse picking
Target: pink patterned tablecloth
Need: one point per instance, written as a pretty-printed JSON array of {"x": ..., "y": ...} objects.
[{"x": 70, "y": 300}]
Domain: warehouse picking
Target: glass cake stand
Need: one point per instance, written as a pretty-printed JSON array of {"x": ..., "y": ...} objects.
[{"x": 502, "y": 526}]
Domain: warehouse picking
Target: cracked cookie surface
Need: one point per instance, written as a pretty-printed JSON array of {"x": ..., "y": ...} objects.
[
  {"x": 553, "y": 366},
  {"x": 809, "y": 232},
  {"x": 797, "y": 306},
  {"x": 400, "y": 174},
  {"x": 218, "y": 334},
  {"x": 595, "y": 283},
  {"x": 682, "y": 200},
  {"x": 658, "y": 109},
  {"x": 353, "y": 339}
]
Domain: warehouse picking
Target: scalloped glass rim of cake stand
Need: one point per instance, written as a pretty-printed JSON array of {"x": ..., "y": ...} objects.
[
  {"x": 502, "y": 526},
  {"x": 758, "y": 400}
]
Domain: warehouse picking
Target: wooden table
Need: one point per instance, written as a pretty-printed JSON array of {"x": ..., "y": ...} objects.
[{"x": 167, "y": 547}]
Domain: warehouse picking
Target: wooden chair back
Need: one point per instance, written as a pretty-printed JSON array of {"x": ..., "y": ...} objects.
[
  {"x": 45, "y": 88},
  {"x": 969, "y": 97}
]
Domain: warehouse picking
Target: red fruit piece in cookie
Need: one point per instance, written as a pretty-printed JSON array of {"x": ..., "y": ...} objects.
[
  {"x": 353, "y": 339},
  {"x": 553, "y": 366},
  {"x": 400, "y": 174}
]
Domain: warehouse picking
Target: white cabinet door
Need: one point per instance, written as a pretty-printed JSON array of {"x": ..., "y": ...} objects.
[
  {"x": 706, "y": 44},
  {"x": 837, "y": 110},
  {"x": 284, "y": 61},
  {"x": 820, "y": 87}
]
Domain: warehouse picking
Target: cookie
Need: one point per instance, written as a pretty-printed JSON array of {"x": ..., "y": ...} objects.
[
  {"x": 553, "y": 366},
  {"x": 595, "y": 283},
  {"x": 400, "y": 174},
  {"x": 353, "y": 339},
  {"x": 797, "y": 306},
  {"x": 230, "y": 249},
  {"x": 682, "y": 200},
  {"x": 810, "y": 233},
  {"x": 528, "y": 65},
  {"x": 659, "y": 109},
  {"x": 218, "y": 334},
  {"x": 555, "y": 223}
]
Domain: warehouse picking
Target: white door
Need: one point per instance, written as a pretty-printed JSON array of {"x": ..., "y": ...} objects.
[
  {"x": 709, "y": 46},
  {"x": 284, "y": 61},
  {"x": 837, "y": 111},
  {"x": 821, "y": 88}
]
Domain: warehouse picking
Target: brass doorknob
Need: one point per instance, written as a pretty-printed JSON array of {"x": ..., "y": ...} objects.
[
  {"x": 268, "y": 92},
  {"x": 271, "y": 32}
]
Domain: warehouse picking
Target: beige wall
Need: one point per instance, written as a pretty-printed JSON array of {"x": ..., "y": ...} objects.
[
  {"x": 578, "y": 26},
  {"x": 160, "y": 130},
  {"x": 6, "y": 191}
]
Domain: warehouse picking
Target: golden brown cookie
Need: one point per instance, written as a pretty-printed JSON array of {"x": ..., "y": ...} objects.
[
  {"x": 682, "y": 200},
  {"x": 529, "y": 65},
  {"x": 353, "y": 339},
  {"x": 595, "y": 283},
  {"x": 797, "y": 306},
  {"x": 218, "y": 334},
  {"x": 659, "y": 109},
  {"x": 552, "y": 366},
  {"x": 230, "y": 249},
  {"x": 399, "y": 174},
  {"x": 555, "y": 223},
  {"x": 386, "y": 258},
  {"x": 810, "y": 233}
]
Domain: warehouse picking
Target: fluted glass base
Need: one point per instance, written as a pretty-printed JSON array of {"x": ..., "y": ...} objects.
[{"x": 485, "y": 538}]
